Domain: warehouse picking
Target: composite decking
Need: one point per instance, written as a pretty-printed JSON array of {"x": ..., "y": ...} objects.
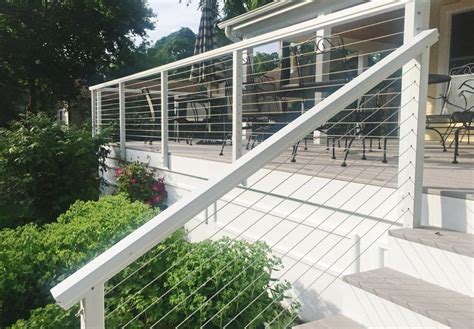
[{"x": 441, "y": 176}]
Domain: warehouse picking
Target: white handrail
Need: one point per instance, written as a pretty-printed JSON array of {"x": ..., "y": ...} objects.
[
  {"x": 343, "y": 16},
  {"x": 105, "y": 266}
]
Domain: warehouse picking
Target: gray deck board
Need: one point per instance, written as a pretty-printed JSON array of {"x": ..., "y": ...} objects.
[
  {"x": 452, "y": 241},
  {"x": 441, "y": 177},
  {"x": 440, "y": 304}
]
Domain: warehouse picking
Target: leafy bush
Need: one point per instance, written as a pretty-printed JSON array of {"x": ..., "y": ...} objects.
[
  {"x": 238, "y": 273},
  {"x": 136, "y": 180},
  {"x": 33, "y": 259},
  {"x": 45, "y": 167}
]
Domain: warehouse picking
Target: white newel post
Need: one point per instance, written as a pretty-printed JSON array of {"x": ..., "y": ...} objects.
[
  {"x": 123, "y": 145},
  {"x": 412, "y": 117},
  {"x": 164, "y": 120},
  {"x": 93, "y": 111},
  {"x": 98, "y": 124},
  {"x": 237, "y": 76},
  {"x": 92, "y": 309}
]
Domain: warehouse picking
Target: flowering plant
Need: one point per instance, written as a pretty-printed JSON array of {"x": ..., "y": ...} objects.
[{"x": 136, "y": 180}]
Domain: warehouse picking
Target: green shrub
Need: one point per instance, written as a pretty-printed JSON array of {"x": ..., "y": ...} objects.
[
  {"x": 33, "y": 259},
  {"x": 45, "y": 167},
  {"x": 238, "y": 273}
]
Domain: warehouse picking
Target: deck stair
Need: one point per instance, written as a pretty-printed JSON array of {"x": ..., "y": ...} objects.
[
  {"x": 332, "y": 322},
  {"x": 439, "y": 256},
  {"x": 431, "y": 301},
  {"x": 452, "y": 241}
]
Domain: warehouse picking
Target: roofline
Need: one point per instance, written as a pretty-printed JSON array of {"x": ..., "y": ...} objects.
[{"x": 256, "y": 12}]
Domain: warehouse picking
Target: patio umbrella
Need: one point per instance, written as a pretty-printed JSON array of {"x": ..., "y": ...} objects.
[{"x": 205, "y": 41}]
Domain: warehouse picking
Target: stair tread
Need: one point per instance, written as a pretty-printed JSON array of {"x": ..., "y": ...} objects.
[
  {"x": 335, "y": 321},
  {"x": 457, "y": 242},
  {"x": 440, "y": 304}
]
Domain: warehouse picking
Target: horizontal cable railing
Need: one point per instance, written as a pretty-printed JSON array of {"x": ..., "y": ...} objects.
[{"x": 309, "y": 221}]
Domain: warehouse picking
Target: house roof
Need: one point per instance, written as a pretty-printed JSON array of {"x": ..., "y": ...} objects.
[{"x": 279, "y": 14}]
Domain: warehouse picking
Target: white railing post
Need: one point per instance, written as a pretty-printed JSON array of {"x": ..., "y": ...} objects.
[
  {"x": 237, "y": 76},
  {"x": 123, "y": 140},
  {"x": 93, "y": 111},
  {"x": 92, "y": 309},
  {"x": 413, "y": 117},
  {"x": 164, "y": 120},
  {"x": 98, "y": 119},
  {"x": 356, "y": 253}
]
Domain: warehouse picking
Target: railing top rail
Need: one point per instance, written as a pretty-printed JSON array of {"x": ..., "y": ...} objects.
[
  {"x": 341, "y": 17},
  {"x": 78, "y": 285}
]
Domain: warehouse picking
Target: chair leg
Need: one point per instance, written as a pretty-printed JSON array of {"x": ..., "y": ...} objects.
[
  {"x": 384, "y": 151},
  {"x": 327, "y": 143},
  {"x": 363, "y": 149},
  {"x": 334, "y": 148},
  {"x": 380, "y": 147},
  {"x": 305, "y": 145},
  {"x": 456, "y": 146},
  {"x": 224, "y": 143},
  {"x": 370, "y": 145},
  {"x": 248, "y": 142},
  {"x": 294, "y": 152},
  {"x": 344, "y": 164}
]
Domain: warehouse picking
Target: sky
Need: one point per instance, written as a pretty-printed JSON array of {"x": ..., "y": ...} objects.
[{"x": 172, "y": 15}]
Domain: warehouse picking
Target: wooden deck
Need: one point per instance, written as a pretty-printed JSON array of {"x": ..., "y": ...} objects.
[{"x": 441, "y": 177}]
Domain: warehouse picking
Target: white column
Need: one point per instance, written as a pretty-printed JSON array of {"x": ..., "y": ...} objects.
[
  {"x": 93, "y": 112},
  {"x": 362, "y": 63},
  {"x": 321, "y": 70},
  {"x": 123, "y": 140},
  {"x": 237, "y": 105},
  {"x": 92, "y": 309},
  {"x": 412, "y": 118},
  {"x": 99, "y": 112},
  {"x": 164, "y": 120}
]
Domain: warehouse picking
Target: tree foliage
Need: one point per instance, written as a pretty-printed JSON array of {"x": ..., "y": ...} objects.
[
  {"x": 53, "y": 47},
  {"x": 45, "y": 167}
]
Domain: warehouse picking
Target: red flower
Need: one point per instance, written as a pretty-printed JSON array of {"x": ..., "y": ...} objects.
[{"x": 118, "y": 172}]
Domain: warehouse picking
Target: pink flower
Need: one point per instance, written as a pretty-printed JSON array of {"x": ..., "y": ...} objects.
[
  {"x": 157, "y": 199},
  {"x": 118, "y": 172}
]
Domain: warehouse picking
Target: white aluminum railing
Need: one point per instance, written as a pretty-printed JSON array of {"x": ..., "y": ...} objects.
[{"x": 87, "y": 284}]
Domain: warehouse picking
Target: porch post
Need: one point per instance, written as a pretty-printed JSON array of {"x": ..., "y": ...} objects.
[
  {"x": 123, "y": 141},
  {"x": 98, "y": 119},
  {"x": 412, "y": 118},
  {"x": 321, "y": 73},
  {"x": 93, "y": 111},
  {"x": 164, "y": 119},
  {"x": 92, "y": 309},
  {"x": 237, "y": 76}
]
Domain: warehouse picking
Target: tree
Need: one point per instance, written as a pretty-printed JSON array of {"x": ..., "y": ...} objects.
[
  {"x": 173, "y": 47},
  {"x": 53, "y": 47}
]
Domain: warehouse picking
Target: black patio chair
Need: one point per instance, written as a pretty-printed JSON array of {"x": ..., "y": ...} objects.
[{"x": 458, "y": 99}]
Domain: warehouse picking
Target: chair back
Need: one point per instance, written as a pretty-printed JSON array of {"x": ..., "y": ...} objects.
[{"x": 460, "y": 93}]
